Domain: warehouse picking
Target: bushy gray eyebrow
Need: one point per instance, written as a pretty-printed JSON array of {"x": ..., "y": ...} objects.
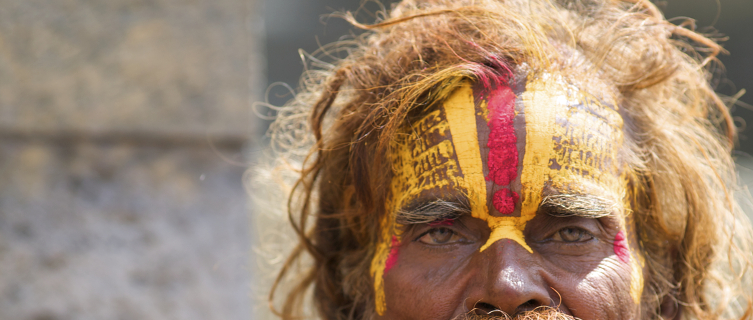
[
  {"x": 579, "y": 205},
  {"x": 433, "y": 211},
  {"x": 588, "y": 206}
]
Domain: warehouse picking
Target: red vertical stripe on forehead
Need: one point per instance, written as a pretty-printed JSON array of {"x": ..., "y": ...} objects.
[{"x": 503, "y": 151}]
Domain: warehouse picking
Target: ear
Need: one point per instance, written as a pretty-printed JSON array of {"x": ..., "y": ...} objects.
[{"x": 669, "y": 308}]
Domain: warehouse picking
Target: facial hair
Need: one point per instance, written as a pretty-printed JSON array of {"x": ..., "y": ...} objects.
[{"x": 541, "y": 313}]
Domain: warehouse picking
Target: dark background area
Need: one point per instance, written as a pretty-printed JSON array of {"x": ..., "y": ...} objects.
[{"x": 306, "y": 26}]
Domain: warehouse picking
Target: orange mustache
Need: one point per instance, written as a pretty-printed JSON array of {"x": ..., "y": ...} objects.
[{"x": 540, "y": 313}]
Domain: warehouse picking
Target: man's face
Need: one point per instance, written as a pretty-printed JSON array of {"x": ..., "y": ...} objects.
[{"x": 506, "y": 199}]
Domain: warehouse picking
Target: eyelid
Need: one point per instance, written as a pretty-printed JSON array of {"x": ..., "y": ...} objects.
[
  {"x": 454, "y": 227},
  {"x": 558, "y": 224},
  {"x": 585, "y": 233},
  {"x": 461, "y": 238},
  {"x": 429, "y": 228}
]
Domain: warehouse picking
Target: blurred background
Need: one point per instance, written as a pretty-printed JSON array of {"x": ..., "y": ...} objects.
[{"x": 126, "y": 126}]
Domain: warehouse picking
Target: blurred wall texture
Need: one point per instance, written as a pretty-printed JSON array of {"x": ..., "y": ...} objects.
[{"x": 122, "y": 128}]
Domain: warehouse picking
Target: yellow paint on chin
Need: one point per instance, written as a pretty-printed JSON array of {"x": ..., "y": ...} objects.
[{"x": 461, "y": 115}]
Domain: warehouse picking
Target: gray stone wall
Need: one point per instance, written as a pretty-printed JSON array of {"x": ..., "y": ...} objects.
[
  {"x": 164, "y": 66},
  {"x": 113, "y": 202}
]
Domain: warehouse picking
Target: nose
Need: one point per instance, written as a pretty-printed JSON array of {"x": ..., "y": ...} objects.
[{"x": 509, "y": 280}]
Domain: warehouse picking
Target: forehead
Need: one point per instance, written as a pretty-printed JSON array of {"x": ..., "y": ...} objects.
[
  {"x": 572, "y": 136},
  {"x": 532, "y": 137}
]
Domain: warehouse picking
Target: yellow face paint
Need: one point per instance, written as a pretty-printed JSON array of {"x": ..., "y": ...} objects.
[
  {"x": 539, "y": 102},
  {"x": 554, "y": 112},
  {"x": 572, "y": 142},
  {"x": 424, "y": 162},
  {"x": 461, "y": 115},
  {"x": 637, "y": 261},
  {"x": 429, "y": 162}
]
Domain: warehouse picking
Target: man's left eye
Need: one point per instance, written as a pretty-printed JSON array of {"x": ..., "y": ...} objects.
[
  {"x": 438, "y": 236},
  {"x": 572, "y": 235}
]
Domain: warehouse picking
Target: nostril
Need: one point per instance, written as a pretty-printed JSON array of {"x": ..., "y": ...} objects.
[
  {"x": 528, "y": 306},
  {"x": 484, "y": 308}
]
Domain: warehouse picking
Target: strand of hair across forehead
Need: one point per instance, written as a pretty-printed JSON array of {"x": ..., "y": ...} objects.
[{"x": 497, "y": 70}]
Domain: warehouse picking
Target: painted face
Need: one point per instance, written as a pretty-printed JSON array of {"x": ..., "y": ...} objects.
[{"x": 507, "y": 199}]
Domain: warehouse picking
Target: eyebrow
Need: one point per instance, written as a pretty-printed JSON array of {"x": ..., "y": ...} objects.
[
  {"x": 579, "y": 205},
  {"x": 562, "y": 205},
  {"x": 433, "y": 211}
]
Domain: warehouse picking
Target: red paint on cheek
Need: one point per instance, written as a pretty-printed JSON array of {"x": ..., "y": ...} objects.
[
  {"x": 621, "y": 247},
  {"x": 504, "y": 201},
  {"x": 392, "y": 257},
  {"x": 503, "y": 151}
]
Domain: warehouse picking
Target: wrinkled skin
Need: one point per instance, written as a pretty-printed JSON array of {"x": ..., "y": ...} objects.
[{"x": 440, "y": 272}]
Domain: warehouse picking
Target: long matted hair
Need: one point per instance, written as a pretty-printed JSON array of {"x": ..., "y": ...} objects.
[{"x": 335, "y": 133}]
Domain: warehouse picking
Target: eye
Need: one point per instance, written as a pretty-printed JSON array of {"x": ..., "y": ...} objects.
[
  {"x": 437, "y": 236},
  {"x": 572, "y": 235}
]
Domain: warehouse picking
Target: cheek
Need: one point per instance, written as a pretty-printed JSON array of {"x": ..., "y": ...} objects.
[
  {"x": 417, "y": 288},
  {"x": 605, "y": 292}
]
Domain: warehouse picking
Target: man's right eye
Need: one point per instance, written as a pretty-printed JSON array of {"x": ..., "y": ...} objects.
[{"x": 439, "y": 236}]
